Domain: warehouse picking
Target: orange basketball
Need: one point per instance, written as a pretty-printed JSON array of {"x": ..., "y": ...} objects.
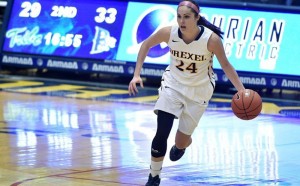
[{"x": 246, "y": 104}]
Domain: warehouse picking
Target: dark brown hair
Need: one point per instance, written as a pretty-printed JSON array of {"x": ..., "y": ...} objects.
[{"x": 202, "y": 21}]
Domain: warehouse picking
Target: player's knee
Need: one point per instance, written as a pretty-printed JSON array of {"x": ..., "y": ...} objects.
[
  {"x": 158, "y": 148},
  {"x": 182, "y": 140},
  {"x": 159, "y": 143},
  {"x": 183, "y": 144}
]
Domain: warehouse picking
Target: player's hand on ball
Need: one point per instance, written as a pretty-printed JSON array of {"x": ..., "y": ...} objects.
[
  {"x": 132, "y": 88},
  {"x": 246, "y": 104}
]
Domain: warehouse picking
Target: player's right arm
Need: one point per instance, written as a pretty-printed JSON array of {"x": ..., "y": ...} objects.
[{"x": 162, "y": 35}]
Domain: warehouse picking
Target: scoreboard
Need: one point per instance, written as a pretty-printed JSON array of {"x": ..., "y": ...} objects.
[
  {"x": 104, "y": 36},
  {"x": 75, "y": 28}
]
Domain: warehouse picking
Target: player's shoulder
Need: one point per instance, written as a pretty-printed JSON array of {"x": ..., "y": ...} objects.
[
  {"x": 214, "y": 37},
  {"x": 166, "y": 29},
  {"x": 214, "y": 42}
]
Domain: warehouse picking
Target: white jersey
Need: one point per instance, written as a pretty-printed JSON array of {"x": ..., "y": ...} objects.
[
  {"x": 191, "y": 64},
  {"x": 190, "y": 71}
]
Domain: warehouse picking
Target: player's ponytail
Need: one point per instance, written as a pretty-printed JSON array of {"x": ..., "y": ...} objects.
[{"x": 214, "y": 28}]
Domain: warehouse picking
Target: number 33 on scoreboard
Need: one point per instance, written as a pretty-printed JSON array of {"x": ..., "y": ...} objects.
[{"x": 111, "y": 12}]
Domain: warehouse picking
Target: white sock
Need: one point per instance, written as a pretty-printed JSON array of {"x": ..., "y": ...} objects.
[{"x": 155, "y": 168}]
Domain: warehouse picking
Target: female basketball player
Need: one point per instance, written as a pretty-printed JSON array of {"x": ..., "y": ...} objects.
[{"x": 187, "y": 83}]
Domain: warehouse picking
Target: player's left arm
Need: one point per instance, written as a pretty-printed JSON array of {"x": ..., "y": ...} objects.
[{"x": 215, "y": 45}]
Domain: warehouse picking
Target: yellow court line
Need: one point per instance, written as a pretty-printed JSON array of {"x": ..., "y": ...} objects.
[
  {"x": 98, "y": 93},
  {"x": 270, "y": 108},
  {"x": 49, "y": 88},
  {"x": 16, "y": 84},
  {"x": 141, "y": 99},
  {"x": 223, "y": 100}
]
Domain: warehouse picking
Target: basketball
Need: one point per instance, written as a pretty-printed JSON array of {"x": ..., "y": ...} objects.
[{"x": 246, "y": 104}]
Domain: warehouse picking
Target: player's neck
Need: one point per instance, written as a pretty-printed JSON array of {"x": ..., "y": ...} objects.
[{"x": 190, "y": 36}]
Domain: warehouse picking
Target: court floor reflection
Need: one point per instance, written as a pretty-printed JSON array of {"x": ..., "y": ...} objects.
[{"x": 47, "y": 140}]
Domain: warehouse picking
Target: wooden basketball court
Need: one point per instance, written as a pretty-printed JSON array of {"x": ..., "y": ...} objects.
[{"x": 85, "y": 134}]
